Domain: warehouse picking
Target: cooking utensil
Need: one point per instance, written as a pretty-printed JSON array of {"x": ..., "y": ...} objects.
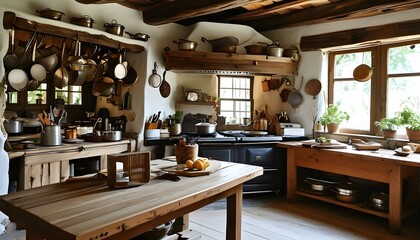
[
  {"x": 274, "y": 50},
  {"x": 225, "y": 44},
  {"x": 38, "y": 72},
  {"x": 13, "y": 126},
  {"x": 85, "y": 21},
  {"x": 295, "y": 98},
  {"x": 313, "y": 87},
  {"x": 379, "y": 201},
  {"x": 11, "y": 60},
  {"x": 155, "y": 80},
  {"x": 61, "y": 75},
  {"x": 114, "y": 28},
  {"x": 77, "y": 63},
  {"x": 51, "y": 135},
  {"x": 205, "y": 129},
  {"x": 186, "y": 45},
  {"x": 51, "y": 14},
  {"x": 104, "y": 87},
  {"x": 347, "y": 192},
  {"x": 18, "y": 79},
  {"x": 164, "y": 88},
  {"x": 25, "y": 57},
  {"x": 111, "y": 136},
  {"x": 362, "y": 73},
  {"x": 139, "y": 36},
  {"x": 255, "y": 49},
  {"x": 120, "y": 70}
]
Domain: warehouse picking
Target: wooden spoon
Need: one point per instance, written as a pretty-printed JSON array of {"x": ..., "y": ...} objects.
[{"x": 165, "y": 88}]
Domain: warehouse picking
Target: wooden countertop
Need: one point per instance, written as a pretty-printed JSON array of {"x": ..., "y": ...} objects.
[
  {"x": 379, "y": 155},
  {"x": 64, "y": 147}
]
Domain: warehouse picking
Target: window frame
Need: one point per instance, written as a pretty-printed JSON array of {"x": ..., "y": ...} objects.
[
  {"x": 251, "y": 95},
  {"x": 379, "y": 81}
]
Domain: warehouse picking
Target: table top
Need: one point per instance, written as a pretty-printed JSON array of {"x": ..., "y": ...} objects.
[
  {"x": 89, "y": 209},
  {"x": 383, "y": 155}
]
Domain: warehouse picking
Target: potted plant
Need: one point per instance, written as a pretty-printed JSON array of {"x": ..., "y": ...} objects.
[
  {"x": 388, "y": 126},
  {"x": 333, "y": 117},
  {"x": 411, "y": 121},
  {"x": 175, "y": 123}
]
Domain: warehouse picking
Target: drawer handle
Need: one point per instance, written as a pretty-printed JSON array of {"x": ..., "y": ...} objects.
[{"x": 258, "y": 157}]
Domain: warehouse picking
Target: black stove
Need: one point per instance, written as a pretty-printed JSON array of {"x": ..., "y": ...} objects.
[{"x": 242, "y": 137}]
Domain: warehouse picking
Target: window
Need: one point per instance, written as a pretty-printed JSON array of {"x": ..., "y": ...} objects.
[
  {"x": 396, "y": 75},
  {"x": 72, "y": 95},
  {"x": 235, "y": 95}
]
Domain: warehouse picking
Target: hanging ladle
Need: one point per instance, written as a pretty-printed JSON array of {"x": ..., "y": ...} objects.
[{"x": 155, "y": 80}]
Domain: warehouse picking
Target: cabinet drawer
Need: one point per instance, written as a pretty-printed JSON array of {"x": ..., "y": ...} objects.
[{"x": 217, "y": 153}]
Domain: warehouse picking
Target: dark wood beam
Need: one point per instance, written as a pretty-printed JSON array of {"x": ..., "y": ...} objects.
[
  {"x": 360, "y": 35},
  {"x": 183, "y": 9},
  {"x": 349, "y": 9},
  {"x": 139, "y": 5}
]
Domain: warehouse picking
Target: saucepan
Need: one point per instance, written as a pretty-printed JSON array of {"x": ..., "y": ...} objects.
[
  {"x": 205, "y": 129},
  {"x": 224, "y": 44},
  {"x": 295, "y": 98},
  {"x": 111, "y": 136},
  {"x": 13, "y": 126},
  {"x": 186, "y": 45},
  {"x": 51, "y": 14},
  {"x": 114, "y": 28}
]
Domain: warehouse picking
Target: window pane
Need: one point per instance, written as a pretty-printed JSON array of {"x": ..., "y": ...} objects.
[
  {"x": 400, "y": 90},
  {"x": 12, "y": 97},
  {"x": 346, "y": 63},
  {"x": 226, "y": 93},
  {"x": 226, "y": 82},
  {"x": 226, "y": 105},
  {"x": 38, "y": 96},
  {"x": 404, "y": 59},
  {"x": 354, "y": 98}
]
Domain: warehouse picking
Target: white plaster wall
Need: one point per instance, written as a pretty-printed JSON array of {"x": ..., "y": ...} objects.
[{"x": 314, "y": 64}]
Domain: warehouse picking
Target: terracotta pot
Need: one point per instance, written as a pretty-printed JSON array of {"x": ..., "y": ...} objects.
[
  {"x": 332, "y": 128},
  {"x": 388, "y": 133},
  {"x": 413, "y": 135}
]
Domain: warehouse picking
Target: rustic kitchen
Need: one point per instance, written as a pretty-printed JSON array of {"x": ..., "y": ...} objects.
[{"x": 105, "y": 105}]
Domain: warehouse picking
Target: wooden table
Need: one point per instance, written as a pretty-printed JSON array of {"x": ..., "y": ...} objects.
[
  {"x": 381, "y": 166},
  {"x": 91, "y": 210}
]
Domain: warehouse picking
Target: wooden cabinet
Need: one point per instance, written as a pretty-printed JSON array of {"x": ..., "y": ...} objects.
[
  {"x": 47, "y": 165},
  {"x": 226, "y": 63},
  {"x": 381, "y": 166}
]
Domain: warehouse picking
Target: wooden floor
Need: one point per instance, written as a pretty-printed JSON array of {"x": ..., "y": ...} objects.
[{"x": 268, "y": 216}]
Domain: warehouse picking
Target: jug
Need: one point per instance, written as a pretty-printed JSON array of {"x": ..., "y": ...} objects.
[{"x": 260, "y": 124}]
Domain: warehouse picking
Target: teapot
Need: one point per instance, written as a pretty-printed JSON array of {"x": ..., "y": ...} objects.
[{"x": 260, "y": 124}]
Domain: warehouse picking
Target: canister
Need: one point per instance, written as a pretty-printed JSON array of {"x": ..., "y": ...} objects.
[{"x": 51, "y": 135}]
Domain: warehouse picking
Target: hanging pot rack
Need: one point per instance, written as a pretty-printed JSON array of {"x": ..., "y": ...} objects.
[{"x": 10, "y": 20}]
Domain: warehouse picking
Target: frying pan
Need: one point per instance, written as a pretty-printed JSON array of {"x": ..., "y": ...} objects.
[
  {"x": 295, "y": 98},
  {"x": 155, "y": 80},
  {"x": 165, "y": 88},
  {"x": 11, "y": 60},
  {"x": 61, "y": 75},
  {"x": 18, "y": 79},
  {"x": 313, "y": 87}
]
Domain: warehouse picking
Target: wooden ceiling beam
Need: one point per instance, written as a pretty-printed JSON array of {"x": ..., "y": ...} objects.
[
  {"x": 360, "y": 35},
  {"x": 183, "y": 9},
  {"x": 344, "y": 10}
]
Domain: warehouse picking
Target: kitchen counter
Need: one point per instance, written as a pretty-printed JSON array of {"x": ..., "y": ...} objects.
[
  {"x": 381, "y": 166},
  {"x": 43, "y": 165}
]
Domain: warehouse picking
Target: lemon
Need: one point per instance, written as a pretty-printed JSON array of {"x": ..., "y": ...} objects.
[
  {"x": 199, "y": 164},
  {"x": 189, "y": 164}
]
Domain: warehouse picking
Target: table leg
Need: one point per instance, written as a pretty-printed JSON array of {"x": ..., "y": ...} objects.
[
  {"x": 234, "y": 215},
  {"x": 395, "y": 200},
  {"x": 291, "y": 175}
]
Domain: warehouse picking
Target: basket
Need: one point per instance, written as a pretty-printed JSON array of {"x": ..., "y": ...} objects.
[{"x": 128, "y": 169}]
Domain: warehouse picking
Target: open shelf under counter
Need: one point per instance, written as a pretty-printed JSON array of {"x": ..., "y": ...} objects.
[{"x": 359, "y": 206}]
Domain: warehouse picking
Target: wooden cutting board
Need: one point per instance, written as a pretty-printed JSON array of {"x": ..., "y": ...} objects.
[
  {"x": 214, "y": 166},
  {"x": 330, "y": 146}
]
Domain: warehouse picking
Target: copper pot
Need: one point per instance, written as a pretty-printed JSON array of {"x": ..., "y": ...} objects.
[
  {"x": 85, "y": 21},
  {"x": 51, "y": 14},
  {"x": 114, "y": 28}
]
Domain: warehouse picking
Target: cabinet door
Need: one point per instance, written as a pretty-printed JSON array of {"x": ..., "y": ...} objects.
[
  {"x": 260, "y": 155},
  {"x": 217, "y": 152}
]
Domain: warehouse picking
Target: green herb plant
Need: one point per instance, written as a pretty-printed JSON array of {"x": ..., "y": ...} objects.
[{"x": 334, "y": 115}]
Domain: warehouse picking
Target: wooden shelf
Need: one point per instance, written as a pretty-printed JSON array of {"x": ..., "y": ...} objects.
[
  {"x": 361, "y": 206},
  {"x": 226, "y": 63},
  {"x": 195, "y": 103},
  {"x": 11, "y": 20}
]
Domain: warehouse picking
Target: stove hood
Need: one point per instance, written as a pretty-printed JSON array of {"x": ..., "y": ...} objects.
[{"x": 199, "y": 62}]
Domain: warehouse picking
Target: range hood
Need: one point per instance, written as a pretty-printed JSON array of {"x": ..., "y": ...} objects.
[{"x": 228, "y": 63}]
